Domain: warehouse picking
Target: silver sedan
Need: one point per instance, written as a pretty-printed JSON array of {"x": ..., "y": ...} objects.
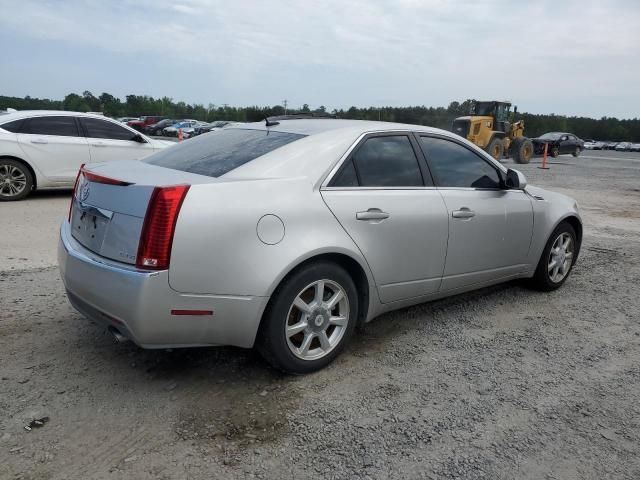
[{"x": 287, "y": 234}]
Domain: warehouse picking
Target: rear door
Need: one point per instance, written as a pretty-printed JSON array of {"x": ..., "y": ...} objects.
[
  {"x": 110, "y": 141},
  {"x": 490, "y": 227},
  {"x": 54, "y": 145},
  {"x": 384, "y": 198}
]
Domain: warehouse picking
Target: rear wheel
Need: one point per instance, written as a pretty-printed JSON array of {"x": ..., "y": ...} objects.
[
  {"x": 311, "y": 317},
  {"x": 555, "y": 151},
  {"x": 522, "y": 150},
  {"x": 496, "y": 148},
  {"x": 576, "y": 152},
  {"x": 16, "y": 180},
  {"x": 557, "y": 259}
]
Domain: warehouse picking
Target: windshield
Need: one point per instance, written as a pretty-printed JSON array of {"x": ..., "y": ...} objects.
[
  {"x": 221, "y": 151},
  {"x": 551, "y": 136}
]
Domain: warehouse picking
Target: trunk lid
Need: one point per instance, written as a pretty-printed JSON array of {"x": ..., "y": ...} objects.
[{"x": 107, "y": 214}]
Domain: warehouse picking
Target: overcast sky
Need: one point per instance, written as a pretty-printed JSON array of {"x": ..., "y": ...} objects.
[{"x": 573, "y": 57}]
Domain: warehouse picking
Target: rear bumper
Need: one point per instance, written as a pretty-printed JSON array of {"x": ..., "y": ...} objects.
[{"x": 138, "y": 303}]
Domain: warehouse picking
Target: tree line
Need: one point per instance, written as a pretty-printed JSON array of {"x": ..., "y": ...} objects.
[{"x": 605, "y": 128}]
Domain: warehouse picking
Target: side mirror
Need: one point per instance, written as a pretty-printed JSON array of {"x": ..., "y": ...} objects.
[
  {"x": 515, "y": 180},
  {"x": 138, "y": 138}
]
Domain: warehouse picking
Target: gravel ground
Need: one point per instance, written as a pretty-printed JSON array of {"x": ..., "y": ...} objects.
[{"x": 501, "y": 383}]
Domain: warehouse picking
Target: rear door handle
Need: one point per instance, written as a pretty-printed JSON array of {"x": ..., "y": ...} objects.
[
  {"x": 372, "y": 214},
  {"x": 98, "y": 144},
  {"x": 464, "y": 212},
  {"x": 40, "y": 141}
]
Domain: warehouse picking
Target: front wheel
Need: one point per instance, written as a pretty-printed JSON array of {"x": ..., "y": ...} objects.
[
  {"x": 496, "y": 148},
  {"x": 557, "y": 259},
  {"x": 16, "y": 180},
  {"x": 310, "y": 319}
]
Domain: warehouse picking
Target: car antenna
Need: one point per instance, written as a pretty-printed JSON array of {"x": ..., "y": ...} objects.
[{"x": 270, "y": 123}]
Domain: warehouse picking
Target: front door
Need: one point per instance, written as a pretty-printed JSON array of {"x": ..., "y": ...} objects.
[
  {"x": 490, "y": 227},
  {"x": 110, "y": 141},
  {"x": 385, "y": 201}
]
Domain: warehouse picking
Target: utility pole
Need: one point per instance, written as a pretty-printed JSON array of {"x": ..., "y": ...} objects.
[{"x": 285, "y": 105}]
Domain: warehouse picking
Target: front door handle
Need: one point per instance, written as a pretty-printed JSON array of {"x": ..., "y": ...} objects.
[
  {"x": 40, "y": 141},
  {"x": 372, "y": 214},
  {"x": 464, "y": 212},
  {"x": 98, "y": 144}
]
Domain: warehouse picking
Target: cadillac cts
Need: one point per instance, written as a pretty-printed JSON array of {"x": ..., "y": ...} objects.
[{"x": 285, "y": 235}]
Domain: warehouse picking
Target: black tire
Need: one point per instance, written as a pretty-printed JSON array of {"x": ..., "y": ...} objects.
[
  {"x": 495, "y": 148},
  {"x": 576, "y": 152},
  {"x": 14, "y": 175},
  {"x": 542, "y": 279},
  {"x": 522, "y": 150},
  {"x": 272, "y": 342},
  {"x": 555, "y": 152}
]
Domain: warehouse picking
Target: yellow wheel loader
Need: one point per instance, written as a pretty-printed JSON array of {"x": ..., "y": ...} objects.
[{"x": 491, "y": 126}]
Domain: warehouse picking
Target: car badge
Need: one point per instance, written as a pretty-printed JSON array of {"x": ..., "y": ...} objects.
[{"x": 84, "y": 192}]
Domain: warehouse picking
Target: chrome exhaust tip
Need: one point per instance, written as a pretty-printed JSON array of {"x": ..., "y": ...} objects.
[{"x": 117, "y": 336}]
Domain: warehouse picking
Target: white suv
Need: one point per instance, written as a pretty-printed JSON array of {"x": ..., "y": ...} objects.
[{"x": 45, "y": 149}]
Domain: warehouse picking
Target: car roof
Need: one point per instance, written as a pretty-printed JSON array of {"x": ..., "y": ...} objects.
[
  {"x": 41, "y": 113},
  {"x": 314, "y": 126},
  {"x": 325, "y": 142}
]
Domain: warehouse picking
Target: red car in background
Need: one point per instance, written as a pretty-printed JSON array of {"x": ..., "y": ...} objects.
[{"x": 144, "y": 122}]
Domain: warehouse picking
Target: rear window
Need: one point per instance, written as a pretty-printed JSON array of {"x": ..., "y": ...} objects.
[{"x": 221, "y": 151}]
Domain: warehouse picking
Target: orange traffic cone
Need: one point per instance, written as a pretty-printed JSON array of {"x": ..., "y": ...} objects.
[{"x": 180, "y": 137}]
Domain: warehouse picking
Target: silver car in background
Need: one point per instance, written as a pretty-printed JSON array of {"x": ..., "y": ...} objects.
[{"x": 287, "y": 234}]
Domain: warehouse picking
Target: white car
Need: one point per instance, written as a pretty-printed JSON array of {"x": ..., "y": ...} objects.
[{"x": 45, "y": 149}]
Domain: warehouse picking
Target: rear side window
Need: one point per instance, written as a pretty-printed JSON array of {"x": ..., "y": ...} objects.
[
  {"x": 14, "y": 126},
  {"x": 51, "y": 125},
  {"x": 387, "y": 161},
  {"x": 221, "y": 151},
  {"x": 96, "y": 128}
]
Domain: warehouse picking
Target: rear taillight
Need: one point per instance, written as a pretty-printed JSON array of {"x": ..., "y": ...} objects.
[
  {"x": 95, "y": 178},
  {"x": 159, "y": 225},
  {"x": 75, "y": 187}
]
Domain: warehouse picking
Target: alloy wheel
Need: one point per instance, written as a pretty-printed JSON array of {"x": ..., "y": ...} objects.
[
  {"x": 560, "y": 257},
  {"x": 13, "y": 180},
  {"x": 317, "y": 320}
]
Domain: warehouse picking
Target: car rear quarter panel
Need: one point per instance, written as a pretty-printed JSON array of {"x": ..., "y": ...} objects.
[{"x": 216, "y": 247}]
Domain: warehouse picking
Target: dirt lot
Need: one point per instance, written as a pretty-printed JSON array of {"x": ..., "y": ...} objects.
[{"x": 503, "y": 383}]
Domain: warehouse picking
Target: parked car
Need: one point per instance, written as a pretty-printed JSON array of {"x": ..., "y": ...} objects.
[
  {"x": 172, "y": 130},
  {"x": 157, "y": 128},
  {"x": 141, "y": 123},
  {"x": 610, "y": 145},
  {"x": 589, "y": 145},
  {"x": 209, "y": 127},
  {"x": 559, "y": 144},
  {"x": 44, "y": 149},
  {"x": 623, "y": 147},
  {"x": 635, "y": 147},
  {"x": 287, "y": 234},
  {"x": 598, "y": 145},
  {"x": 126, "y": 119}
]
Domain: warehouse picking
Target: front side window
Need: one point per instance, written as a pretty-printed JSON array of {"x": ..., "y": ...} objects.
[
  {"x": 51, "y": 125},
  {"x": 221, "y": 151},
  {"x": 456, "y": 166},
  {"x": 97, "y": 128},
  {"x": 387, "y": 161}
]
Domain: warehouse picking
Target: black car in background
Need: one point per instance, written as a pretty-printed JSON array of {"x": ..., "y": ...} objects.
[
  {"x": 560, "y": 143},
  {"x": 156, "y": 128}
]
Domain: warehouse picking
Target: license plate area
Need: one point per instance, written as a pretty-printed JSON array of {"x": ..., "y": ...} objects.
[{"x": 89, "y": 225}]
